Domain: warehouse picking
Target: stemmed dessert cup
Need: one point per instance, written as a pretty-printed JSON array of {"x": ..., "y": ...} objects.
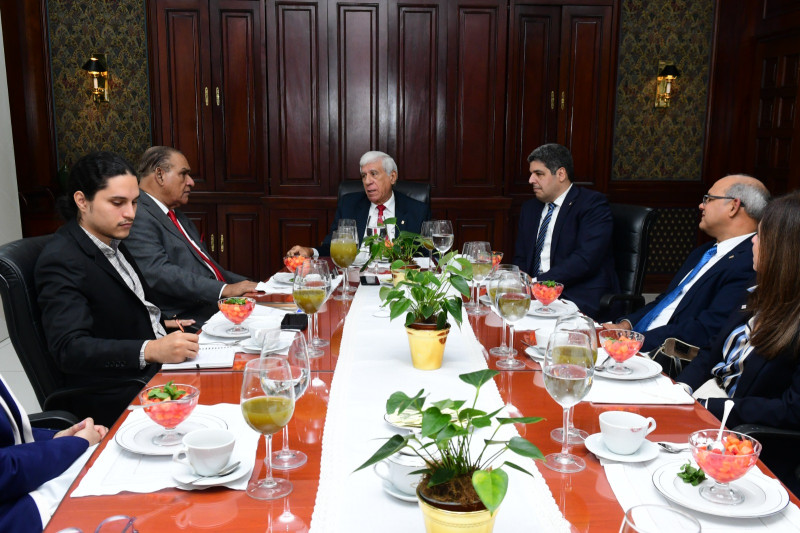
[
  {"x": 621, "y": 345},
  {"x": 724, "y": 467},
  {"x": 512, "y": 301},
  {"x": 582, "y": 324},
  {"x": 344, "y": 249},
  {"x": 236, "y": 310},
  {"x": 479, "y": 254},
  {"x": 267, "y": 402},
  {"x": 311, "y": 287},
  {"x": 546, "y": 292},
  {"x": 503, "y": 350},
  {"x": 169, "y": 413},
  {"x": 568, "y": 372},
  {"x": 297, "y": 357}
]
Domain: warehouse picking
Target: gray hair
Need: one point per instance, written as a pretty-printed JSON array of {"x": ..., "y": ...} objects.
[
  {"x": 388, "y": 163},
  {"x": 754, "y": 199},
  {"x": 153, "y": 158}
]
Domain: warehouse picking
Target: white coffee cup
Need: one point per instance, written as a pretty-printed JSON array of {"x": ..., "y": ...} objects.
[
  {"x": 397, "y": 469},
  {"x": 624, "y": 432},
  {"x": 207, "y": 451}
]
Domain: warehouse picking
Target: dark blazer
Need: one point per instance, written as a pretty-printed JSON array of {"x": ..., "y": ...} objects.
[
  {"x": 94, "y": 324},
  {"x": 709, "y": 301},
  {"x": 182, "y": 284},
  {"x": 24, "y": 467},
  {"x": 410, "y": 215},
  {"x": 581, "y": 256},
  {"x": 768, "y": 392}
]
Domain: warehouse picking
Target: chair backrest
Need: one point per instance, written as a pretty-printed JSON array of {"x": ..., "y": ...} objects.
[
  {"x": 23, "y": 316},
  {"x": 632, "y": 228},
  {"x": 413, "y": 189}
]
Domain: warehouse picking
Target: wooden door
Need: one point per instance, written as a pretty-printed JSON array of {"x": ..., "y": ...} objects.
[
  {"x": 204, "y": 217},
  {"x": 242, "y": 240},
  {"x": 182, "y": 84}
]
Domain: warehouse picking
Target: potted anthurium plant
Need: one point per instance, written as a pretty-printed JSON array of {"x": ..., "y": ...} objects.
[
  {"x": 399, "y": 252},
  {"x": 454, "y": 480},
  {"x": 425, "y": 298}
]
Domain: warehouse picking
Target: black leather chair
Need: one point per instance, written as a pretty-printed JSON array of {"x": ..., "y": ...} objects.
[
  {"x": 413, "y": 189},
  {"x": 631, "y": 242},
  {"x": 779, "y": 451},
  {"x": 24, "y": 320}
]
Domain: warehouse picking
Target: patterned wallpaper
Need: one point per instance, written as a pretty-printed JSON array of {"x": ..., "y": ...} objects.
[
  {"x": 662, "y": 143},
  {"x": 118, "y": 29}
]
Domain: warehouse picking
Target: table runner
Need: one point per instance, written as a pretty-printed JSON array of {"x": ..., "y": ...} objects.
[{"x": 374, "y": 361}]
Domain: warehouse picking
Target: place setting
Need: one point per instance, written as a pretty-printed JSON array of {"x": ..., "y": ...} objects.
[{"x": 622, "y": 438}]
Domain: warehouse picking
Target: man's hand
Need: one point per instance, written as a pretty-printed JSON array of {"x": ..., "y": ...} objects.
[
  {"x": 85, "y": 429},
  {"x": 301, "y": 250},
  {"x": 176, "y": 347},
  {"x": 624, "y": 324},
  {"x": 239, "y": 289}
]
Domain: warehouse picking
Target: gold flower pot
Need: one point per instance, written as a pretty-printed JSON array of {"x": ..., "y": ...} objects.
[
  {"x": 427, "y": 345},
  {"x": 399, "y": 274},
  {"x": 438, "y": 520}
]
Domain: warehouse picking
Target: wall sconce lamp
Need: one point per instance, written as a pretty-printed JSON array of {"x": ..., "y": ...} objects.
[
  {"x": 667, "y": 74},
  {"x": 98, "y": 71}
]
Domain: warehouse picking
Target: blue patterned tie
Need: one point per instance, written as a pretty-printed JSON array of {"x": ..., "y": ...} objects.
[
  {"x": 737, "y": 347},
  {"x": 537, "y": 254},
  {"x": 647, "y": 319}
]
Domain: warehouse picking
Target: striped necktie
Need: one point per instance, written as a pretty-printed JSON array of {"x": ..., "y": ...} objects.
[
  {"x": 737, "y": 347},
  {"x": 204, "y": 257},
  {"x": 537, "y": 254}
]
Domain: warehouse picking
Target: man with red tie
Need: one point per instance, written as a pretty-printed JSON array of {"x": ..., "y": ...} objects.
[{"x": 185, "y": 279}]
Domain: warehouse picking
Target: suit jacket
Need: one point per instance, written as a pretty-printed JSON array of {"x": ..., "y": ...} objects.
[
  {"x": 581, "y": 256},
  {"x": 94, "y": 323},
  {"x": 410, "y": 215},
  {"x": 710, "y": 300},
  {"x": 768, "y": 392},
  {"x": 24, "y": 467},
  {"x": 182, "y": 284}
]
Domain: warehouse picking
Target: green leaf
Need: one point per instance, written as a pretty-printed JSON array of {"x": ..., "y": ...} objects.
[
  {"x": 410, "y": 319},
  {"x": 453, "y": 306},
  {"x": 520, "y": 420},
  {"x": 460, "y": 284},
  {"x": 478, "y": 378},
  {"x": 516, "y": 467},
  {"x": 525, "y": 448},
  {"x": 441, "y": 321},
  {"x": 466, "y": 414},
  {"x": 481, "y": 422},
  {"x": 398, "y": 307},
  {"x": 433, "y": 421},
  {"x": 392, "y": 446},
  {"x": 491, "y": 486},
  {"x": 441, "y": 475}
]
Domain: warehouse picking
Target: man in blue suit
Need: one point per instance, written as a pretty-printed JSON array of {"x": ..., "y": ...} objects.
[
  {"x": 377, "y": 203},
  {"x": 565, "y": 232},
  {"x": 709, "y": 285}
]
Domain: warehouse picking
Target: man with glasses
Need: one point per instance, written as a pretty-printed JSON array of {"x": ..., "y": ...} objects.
[{"x": 708, "y": 286}]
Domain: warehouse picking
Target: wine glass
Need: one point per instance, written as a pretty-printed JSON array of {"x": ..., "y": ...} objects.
[
  {"x": 502, "y": 350},
  {"x": 568, "y": 373},
  {"x": 297, "y": 356},
  {"x": 651, "y": 518},
  {"x": 620, "y": 345},
  {"x": 585, "y": 325},
  {"x": 236, "y": 310},
  {"x": 442, "y": 236},
  {"x": 512, "y": 300},
  {"x": 372, "y": 231},
  {"x": 312, "y": 283},
  {"x": 479, "y": 254},
  {"x": 426, "y": 232},
  {"x": 346, "y": 224},
  {"x": 344, "y": 248},
  {"x": 267, "y": 402},
  {"x": 546, "y": 292},
  {"x": 167, "y": 411}
]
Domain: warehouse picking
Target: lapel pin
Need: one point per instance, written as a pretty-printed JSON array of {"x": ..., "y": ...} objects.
[{"x": 730, "y": 256}]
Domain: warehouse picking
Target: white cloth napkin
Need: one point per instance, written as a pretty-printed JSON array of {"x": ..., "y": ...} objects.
[
  {"x": 632, "y": 484},
  {"x": 273, "y": 287},
  {"x": 118, "y": 470},
  {"x": 659, "y": 390},
  {"x": 374, "y": 361},
  {"x": 262, "y": 317}
]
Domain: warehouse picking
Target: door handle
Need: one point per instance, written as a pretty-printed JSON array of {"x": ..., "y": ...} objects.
[
  {"x": 221, "y": 243},
  {"x": 552, "y": 99},
  {"x": 217, "y": 96},
  {"x": 212, "y": 242},
  {"x": 562, "y": 100},
  {"x": 206, "y": 96}
]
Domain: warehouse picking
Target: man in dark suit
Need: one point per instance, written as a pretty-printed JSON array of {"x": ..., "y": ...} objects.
[
  {"x": 565, "y": 232},
  {"x": 377, "y": 203},
  {"x": 708, "y": 286},
  {"x": 185, "y": 279},
  {"x": 96, "y": 308}
]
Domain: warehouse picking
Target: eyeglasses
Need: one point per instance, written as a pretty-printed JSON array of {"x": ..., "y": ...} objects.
[
  {"x": 708, "y": 197},
  {"x": 112, "y": 524}
]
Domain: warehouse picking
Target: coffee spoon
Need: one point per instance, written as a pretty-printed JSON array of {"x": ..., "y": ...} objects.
[{"x": 224, "y": 472}]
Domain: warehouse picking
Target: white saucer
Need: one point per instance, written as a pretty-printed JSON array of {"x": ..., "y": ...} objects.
[
  {"x": 647, "y": 451},
  {"x": 643, "y": 368},
  {"x": 220, "y": 329},
  {"x": 284, "y": 278},
  {"x": 137, "y": 437},
  {"x": 763, "y": 496},
  {"x": 185, "y": 475},
  {"x": 560, "y": 308},
  {"x": 251, "y": 346},
  {"x": 536, "y": 353},
  {"x": 392, "y": 491}
]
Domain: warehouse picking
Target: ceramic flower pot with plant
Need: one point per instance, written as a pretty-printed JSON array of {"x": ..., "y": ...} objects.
[{"x": 427, "y": 345}]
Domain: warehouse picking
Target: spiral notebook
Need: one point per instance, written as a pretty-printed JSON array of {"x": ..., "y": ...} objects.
[{"x": 209, "y": 356}]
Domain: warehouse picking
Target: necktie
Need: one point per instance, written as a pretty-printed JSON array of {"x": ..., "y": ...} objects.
[
  {"x": 204, "y": 257},
  {"x": 647, "y": 319},
  {"x": 381, "y": 209},
  {"x": 737, "y": 347},
  {"x": 537, "y": 254}
]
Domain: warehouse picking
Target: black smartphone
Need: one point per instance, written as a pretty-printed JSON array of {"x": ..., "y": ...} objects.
[
  {"x": 191, "y": 328},
  {"x": 367, "y": 279},
  {"x": 294, "y": 321}
]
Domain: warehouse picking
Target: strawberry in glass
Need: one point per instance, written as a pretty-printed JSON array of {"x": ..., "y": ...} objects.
[
  {"x": 546, "y": 292},
  {"x": 169, "y": 405},
  {"x": 237, "y": 310},
  {"x": 621, "y": 345},
  {"x": 724, "y": 466}
]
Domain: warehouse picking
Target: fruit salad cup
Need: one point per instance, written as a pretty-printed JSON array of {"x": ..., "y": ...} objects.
[
  {"x": 169, "y": 405},
  {"x": 237, "y": 310},
  {"x": 546, "y": 292},
  {"x": 723, "y": 466},
  {"x": 621, "y": 345},
  {"x": 293, "y": 261}
]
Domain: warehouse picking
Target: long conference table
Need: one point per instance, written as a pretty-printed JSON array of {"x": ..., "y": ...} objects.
[{"x": 585, "y": 499}]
